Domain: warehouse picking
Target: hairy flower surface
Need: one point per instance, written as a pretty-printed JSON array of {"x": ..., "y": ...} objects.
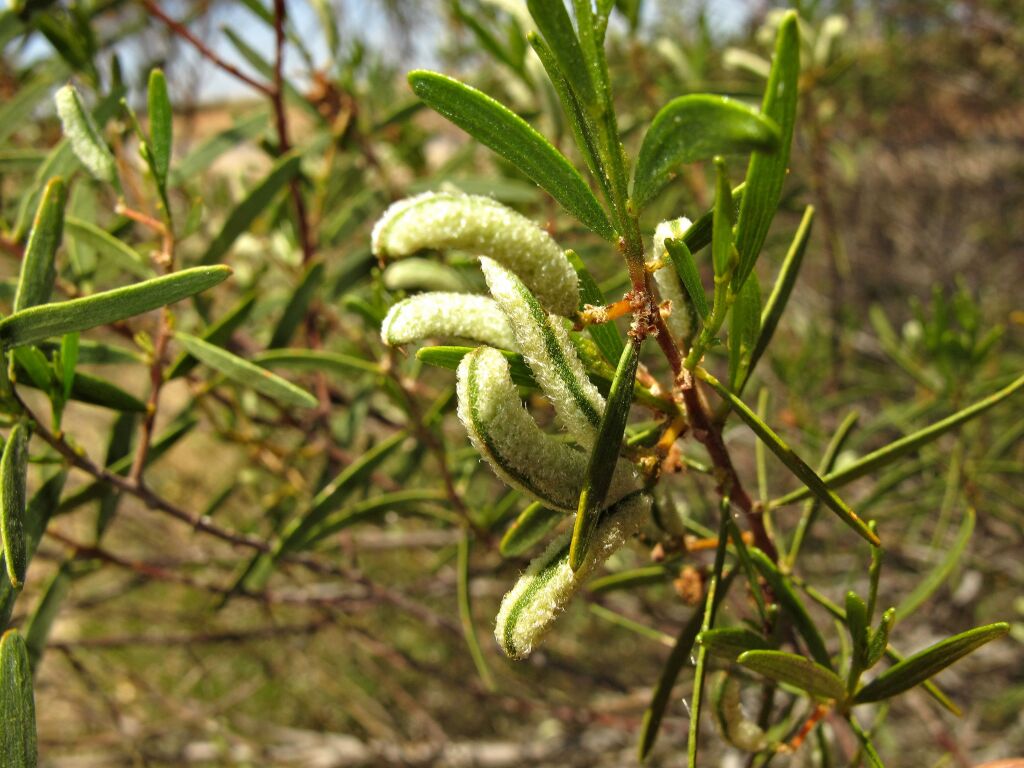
[
  {"x": 462, "y": 315},
  {"x": 545, "y": 344},
  {"x": 667, "y": 278},
  {"x": 531, "y": 607},
  {"x": 483, "y": 227},
  {"x": 521, "y": 454}
]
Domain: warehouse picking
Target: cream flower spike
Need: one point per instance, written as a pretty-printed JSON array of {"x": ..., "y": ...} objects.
[
  {"x": 524, "y": 456},
  {"x": 463, "y": 315},
  {"x": 531, "y": 607},
  {"x": 545, "y": 344},
  {"x": 669, "y": 285},
  {"x": 484, "y": 227}
]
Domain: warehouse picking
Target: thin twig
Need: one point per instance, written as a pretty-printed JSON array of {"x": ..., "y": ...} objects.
[{"x": 183, "y": 32}]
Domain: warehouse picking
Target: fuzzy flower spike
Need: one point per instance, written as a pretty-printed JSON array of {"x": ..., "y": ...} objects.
[{"x": 483, "y": 227}]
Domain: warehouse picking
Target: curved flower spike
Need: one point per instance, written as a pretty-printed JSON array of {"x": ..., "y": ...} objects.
[
  {"x": 540, "y": 466},
  {"x": 545, "y": 344},
  {"x": 739, "y": 730},
  {"x": 464, "y": 315},
  {"x": 667, "y": 279},
  {"x": 487, "y": 228},
  {"x": 542, "y": 592}
]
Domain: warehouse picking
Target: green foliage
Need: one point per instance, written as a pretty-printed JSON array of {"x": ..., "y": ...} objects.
[{"x": 272, "y": 459}]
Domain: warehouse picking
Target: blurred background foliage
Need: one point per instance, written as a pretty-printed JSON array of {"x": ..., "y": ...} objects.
[{"x": 169, "y": 648}]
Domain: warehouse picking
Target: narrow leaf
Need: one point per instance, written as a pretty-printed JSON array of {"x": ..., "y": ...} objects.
[
  {"x": 798, "y": 671},
  {"x": 722, "y": 227},
  {"x": 635, "y": 577},
  {"x": 887, "y": 454},
  {"x": 369, "y": 510},
  {"x": 693, "y": 128},
  {"x": 686, "y": 268},
  {"x": 554, "y": 23},
  {"x": 711, "y": 604},
  {"x": 677, "y": 659},
  {"x": 161, "y": 126},
  {"x": 730, "y": 642},
  {"x": 583, "y": 131},
  {"x": 38, "y": 268},
  {"x": 497, "y": 127},
  {"x": 46, "y": 321},
  {"x": 781, "y": 291},
  {"x": 110, "y": 247},
  {"x": 37, "y": 516},
  {"x": 241, "y": 218},
  {"x": 86, "y": 388},
  {"x": 218, "y": 333},
  {"x": 857, "y": 623},
  {"x": 328, "y": 362},
  {"x": 793, "y": 606},
  {"x": 879, "y": 640},
  {"x": 811, "y": 507},
  {"x": 700, "y": 233},
  {"x": 605, "y": 455},
  {"x": 68, "y": 362},
  {"x": 13, "y": 469},
  {"x": 17, "y": 704},
  {"x": 743, "y": 329},
  {"x": 42, "y": 322},
  {"x": 915, "y": 669},
  {"x": 247, "y": 374},
  {"x": 333, "y": 495},
  {"x": 788, "y": 456},
  {"x": 766, "y": 172},
  {"x": 532, "y": 525},
  {"x": 84, "y": 136}
]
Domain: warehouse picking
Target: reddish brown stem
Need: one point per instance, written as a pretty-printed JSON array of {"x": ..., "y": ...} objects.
[{"x": 183, "y": 32}]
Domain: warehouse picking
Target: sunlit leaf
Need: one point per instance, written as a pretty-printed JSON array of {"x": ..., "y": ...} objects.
[
  {"x": 915, "y": 669},
  {"x": 247, "y": 374},
  {"x": 693, "y": 128},
  {"x": 514, "y": 139},
  {"x": 47, "y": 320},
  {"x": 38, "y": 268},
  {"x": 13, "y": 469},
  {"x": 766, "y": 172},
  {"x": 161, "y": 127},
  {"x": 17, "y": 704},
  {"x": 798, "y": 671}
]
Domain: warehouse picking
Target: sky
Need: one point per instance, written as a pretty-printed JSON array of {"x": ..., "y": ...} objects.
[{"x": 367, "y": 15}]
